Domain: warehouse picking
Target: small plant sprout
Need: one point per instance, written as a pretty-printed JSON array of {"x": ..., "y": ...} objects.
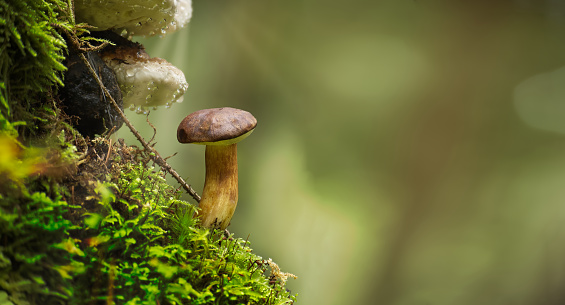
[
  {"x": 219, "y": 129},
  {"x": 277, "y": 274}
]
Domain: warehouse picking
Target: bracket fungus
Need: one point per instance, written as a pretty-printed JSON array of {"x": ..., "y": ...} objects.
[
  {"x": 135, "y": 17},
  {"x": 134, "y": 79},
  {"x": 220, "y": 129},
  {"x": 144, "y": 81}
]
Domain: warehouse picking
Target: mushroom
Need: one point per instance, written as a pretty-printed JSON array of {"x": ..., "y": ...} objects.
[
  {"x": 219, "y": 129},
  {"x": 135, "y": 17},
  {"x": 144, "y": 81}
]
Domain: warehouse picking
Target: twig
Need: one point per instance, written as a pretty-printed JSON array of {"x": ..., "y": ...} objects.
[
  {"x": 167, "y": 158},
  {"x": 154, "y": 131},
  {"x": 153, "y": 153},
  {"x": 109, "y": 151}
]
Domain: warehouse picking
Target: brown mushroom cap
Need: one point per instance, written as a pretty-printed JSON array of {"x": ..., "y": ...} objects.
[{"x": 216, "y": 126}]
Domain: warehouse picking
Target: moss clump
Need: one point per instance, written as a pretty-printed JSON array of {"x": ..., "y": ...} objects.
[
  {"x": 144, "y": 246},
  {"x": 94, "y": 221},
  {"x": 115, "y": 231},
  {"x": 31, "y": 52}
]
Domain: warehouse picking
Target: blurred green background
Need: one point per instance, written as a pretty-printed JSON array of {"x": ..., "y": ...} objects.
[{"x": 407, "y": 152}]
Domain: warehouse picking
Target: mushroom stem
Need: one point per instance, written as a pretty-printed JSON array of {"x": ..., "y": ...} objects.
[
  {"x": 219, "y": 129},
  {"x": 220, "y": 195}
]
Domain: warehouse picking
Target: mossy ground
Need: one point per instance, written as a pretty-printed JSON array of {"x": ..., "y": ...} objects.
[{"x": 93, "y": 221}]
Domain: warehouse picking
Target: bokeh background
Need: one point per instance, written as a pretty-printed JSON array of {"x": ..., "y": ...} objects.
[{"x": 407, "y": 152}]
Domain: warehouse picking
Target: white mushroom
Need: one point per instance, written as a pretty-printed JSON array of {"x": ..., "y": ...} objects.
[
  {"x": 149, "y": 84},
  {"x": 144, "y": 81},
  {"x": 135, "y": 17}
]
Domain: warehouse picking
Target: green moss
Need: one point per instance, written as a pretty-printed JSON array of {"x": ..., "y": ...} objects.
[
  {"x": 31, "y": 50},
  {"x": 144, "y": 247},
  {"x": 129, "y": 239},
  {"x": 89, "y": 222}
]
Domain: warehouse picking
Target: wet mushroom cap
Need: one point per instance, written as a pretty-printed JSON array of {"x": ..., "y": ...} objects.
[
  {"x": 216, "y": 126},
  {"x": 144, "y": 81},
  {"x": 135, "y": 17}
]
